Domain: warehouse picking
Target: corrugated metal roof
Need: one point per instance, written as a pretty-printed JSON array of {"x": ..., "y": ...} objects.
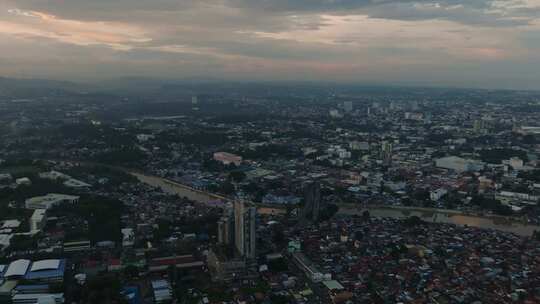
[
  {"x": 45, "y": 265},
  {"x": 48, "y": 274},
  {"x": 17, "y": 268}
]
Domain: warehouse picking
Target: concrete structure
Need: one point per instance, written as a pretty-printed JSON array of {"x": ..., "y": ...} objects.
[
  {"x": 437, "y": 194},
  {"x": 387, "y": 152},
  {"x": 128, "y": 237},
  {"x": 5, "y": 240},
  {"x": 226, "y": 227},
  {"x": 312, "y": 197},
  {"x": 245, "y": 230},
  {"x": 50, "y": 200},
  {"x": 309, "y": 269},
  {"x": 38, "y": 220},
  {"x": 223, "y": 269}
]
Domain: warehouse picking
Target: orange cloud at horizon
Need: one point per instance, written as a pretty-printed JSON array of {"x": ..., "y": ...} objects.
[{"x": 116, "y": 35}]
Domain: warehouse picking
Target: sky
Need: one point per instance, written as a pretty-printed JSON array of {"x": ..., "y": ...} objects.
[{"x": 459, "y": 43}]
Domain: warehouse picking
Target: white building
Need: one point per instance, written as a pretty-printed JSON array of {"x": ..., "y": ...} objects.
[
  {"x": 76, "y": 184},
  {"x": 459, "y": 164},
  {"x": 39, "y": 298},
  {"x": 11, "y": 224},
  {"x": 335, "y": 114},
  {"x": 53, "y": 175},
  {"x": 359, "y": 145},
  {"x": 128, "y": 237},
  {"x": 5, "y": 240},
  {"x": 437, "y": 194},
  {"x": 50, "y": 200},
  {"x": 23, "y": 181},
  {"x": 144, "y": 137},
  {"x": 38, "y": 220},
  {"x": 516, "y": 163}
]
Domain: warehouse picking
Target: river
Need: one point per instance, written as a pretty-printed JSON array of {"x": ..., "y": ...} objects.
[
  {"x": 430, "y": 215},
  {"x": 435, "y": 216}
]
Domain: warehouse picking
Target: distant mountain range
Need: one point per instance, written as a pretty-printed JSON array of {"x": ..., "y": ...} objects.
[{"x": 152, "y": 87}]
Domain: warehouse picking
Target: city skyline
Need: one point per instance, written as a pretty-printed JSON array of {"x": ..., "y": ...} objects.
[{"x": 487, "y": 44}]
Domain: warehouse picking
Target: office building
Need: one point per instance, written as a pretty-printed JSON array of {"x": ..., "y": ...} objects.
[
  {"x": 245, "y": 229},
  {"x": 226, "y": 227},
  {"x": 386, "y": 152},
  {"x": 348, "y": 106},
  {"x": 312, "y": 198},
  {"x": 50, "y": 200}
]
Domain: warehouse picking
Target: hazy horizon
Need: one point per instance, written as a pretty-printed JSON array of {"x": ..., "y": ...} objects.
[{"x": 450, "y": 43}]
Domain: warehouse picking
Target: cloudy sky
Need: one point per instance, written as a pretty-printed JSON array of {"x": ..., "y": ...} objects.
[{"x": 471, "y": 43}]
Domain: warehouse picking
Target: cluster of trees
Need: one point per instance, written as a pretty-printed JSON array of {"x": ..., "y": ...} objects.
[
  {"x": 102, "y": 215},
  {"x": 121, "y": 156},
  {"x": 266, "y": 152},
  {"x": 496, "y": 156},
  {"x": 88, "y": 133},
  {"x": 39, "y": 187},
  {"x": 491, "y": 204}
]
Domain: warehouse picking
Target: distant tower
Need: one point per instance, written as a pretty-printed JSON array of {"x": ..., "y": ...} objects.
[
  {"x": 245, "y": 230},
  {"x": 194, "y": 100},
  {"x": 386, "y": 152},
  {"x": 312, "y": 197},
  {"x": 348, "y": 106},
  {"x": 226, "y": 227}
]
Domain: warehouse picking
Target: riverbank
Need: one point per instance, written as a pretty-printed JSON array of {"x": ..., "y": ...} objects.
[
  {"x": 512, "y": 225},
  {"x": 509, "y": 224},
  {"x": 448, "y": 212}
]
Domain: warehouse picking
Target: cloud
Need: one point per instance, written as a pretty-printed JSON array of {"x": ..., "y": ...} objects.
[
  {"x": 42, "y": 25},
  {"x": 346, "y": 40}
]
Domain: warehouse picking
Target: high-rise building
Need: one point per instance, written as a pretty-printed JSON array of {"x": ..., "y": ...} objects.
[
  {"x": 348, "y": 106},
  {"x": 245, "y": 236},
  {"x": 478, "y": 126},
  {"x": 194, "y": 100},
  {"x": 386, "y": 152},
  {"x": 312, "y": 198},
  {"x": 226, "y": 227}
]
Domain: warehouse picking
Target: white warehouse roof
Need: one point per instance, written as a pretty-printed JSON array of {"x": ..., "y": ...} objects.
[
  {"x": 17, "y": 268},
  {"x": 45, "y": 265}
]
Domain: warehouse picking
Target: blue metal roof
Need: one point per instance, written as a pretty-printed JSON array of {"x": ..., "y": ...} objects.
[
  {"x": 45, "y": 274},
  {"x": 132, "y": 294}
]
